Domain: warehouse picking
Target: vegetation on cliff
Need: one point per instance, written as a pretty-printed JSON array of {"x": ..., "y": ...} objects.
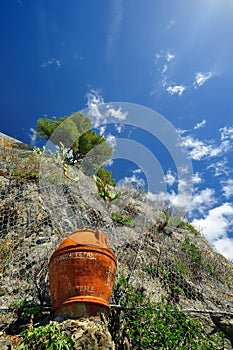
[{"x": 173, "y": 291}]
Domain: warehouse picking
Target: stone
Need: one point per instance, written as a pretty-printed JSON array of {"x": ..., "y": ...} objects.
[
  {"x": 88, "y": 334},
  {"x": 5, "y": 344},
  {"x": 225, "y": 324}
]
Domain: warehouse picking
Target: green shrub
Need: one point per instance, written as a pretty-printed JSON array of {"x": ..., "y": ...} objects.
[
  {"x": 47, "y": 337},
  {"x": 121, "y": 219},
  {"x": 161, "y": 326},
  {"x": 26, "y": 310},
  {"x": 106, "y": 177},
  {"x": 151, "y": 269},
  {"x": 193, "y": 253},
  {"x": 105, "y": 190},
  {"x": 184, "y": 224},
  {"x": 5, "y": 250},
  {"x": 181, "y": 267},
  {"x": 23, "y": 168}
]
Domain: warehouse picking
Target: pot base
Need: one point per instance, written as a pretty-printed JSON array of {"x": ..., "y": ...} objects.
[{"x": 84, "y": 306}]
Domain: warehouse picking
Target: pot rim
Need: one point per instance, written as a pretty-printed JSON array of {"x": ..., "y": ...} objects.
[{"x": 83, "y": 248}]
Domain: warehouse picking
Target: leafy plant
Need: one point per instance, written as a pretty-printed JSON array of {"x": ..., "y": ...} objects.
[
  {"x": 181, "y": 267},
  {"x": 105, "y": 190},
  {"x": 47, "y": 337},
  {"x": 5, "y": 249},
  {"x": 106, "y": 177},
  {"x": 213, "y": 270},
  {"x": 151, "y": 269},
  {"x": 26, "y": 310},
  {"x": 149, "y": 325},
  {"x": 25, "y": 168},
  {"x": 192, "y": 251},
  {"x": 184, "y": 224},
  {"x": 121, "y": 219},
  {"x": 105, "y": 184}
]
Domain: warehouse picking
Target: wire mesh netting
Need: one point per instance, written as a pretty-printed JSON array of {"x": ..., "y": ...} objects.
[{"x": 157, "y": 251}]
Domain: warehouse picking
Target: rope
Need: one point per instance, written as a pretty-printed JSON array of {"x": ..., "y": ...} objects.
[
  {"x": 114, "y": 306},
  {"x": 181, "y": 310}
]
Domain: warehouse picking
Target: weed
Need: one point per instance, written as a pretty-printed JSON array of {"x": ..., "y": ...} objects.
[
  {"x": 180, "y": 266},
  {"x": 106, "y": 190},
  {"x": 184, "y": 224},
  {"x": 151, "y": 269},
  {"x": 193, "y": 253},
  {"x": 213, "y": 270},
  {"x": 26, "y": 310},
  {"x": 149, "y": 325},
  {"x": 5, "y": 251},
  {"x": 24, "y": 167},
  {"x": 121, "y": 219},
  {"x": 47, "y": 337}
]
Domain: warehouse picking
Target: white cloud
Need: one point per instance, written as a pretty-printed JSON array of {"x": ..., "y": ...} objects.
[
  {"x": 110, "y": 162},
  {"x": 133, "y": 180},
  {"x": 201, "y": 78},
  {"x": 50, "y": 61},
  {"x": 170, "y": 56},
  {"x": 179, "y": 202},
  {"x": 94, "y": 99},
  {"x": 171, "y": 24},
  {"x": 165, "y": 68},
  {"x": 220, "y": 167},
  {"x": 117, "y": 113},
  {"x": 199, "y": 149},
  {"x": 224, "y": 147},
  {"x": 225, "y": 247},
  {"x": 226, "y": 133},
  {"x": 200, "y": 125},
  {"x": 111, "y": 140},
  {"x": 164, "y": 60},
  {"x": 227, "y": 188},
  {"x": 119, "y": 127},
  {"x": 215, "y": 227},
  {"x": 202, "y": 201},
  {"x": 158, "y": 55},
  {"x": 115, "y": 24},
  {"x": 176, "y": 89},
  {"x": 32, "y": 136},
  {"x": 196, "y": 178},
  {"x": 102, "y": 130},
  {"x": 169, "y": 178},
  {"x": 137, "y": 171},
  {"x": 182, "y": 131}
]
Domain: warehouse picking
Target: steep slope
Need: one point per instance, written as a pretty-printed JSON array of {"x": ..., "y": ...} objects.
[{"x": 156, "y": 252}]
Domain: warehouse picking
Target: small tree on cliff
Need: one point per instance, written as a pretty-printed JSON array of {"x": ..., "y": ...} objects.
[{"x": 75, "y": 134}]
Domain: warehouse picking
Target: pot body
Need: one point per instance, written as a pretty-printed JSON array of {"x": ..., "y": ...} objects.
[{"x": 81, "y": 275}]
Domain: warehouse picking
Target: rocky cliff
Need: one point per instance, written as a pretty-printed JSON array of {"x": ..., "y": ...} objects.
[{"x": 156, "y": 251}]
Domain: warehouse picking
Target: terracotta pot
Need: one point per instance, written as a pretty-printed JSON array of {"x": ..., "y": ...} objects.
[{"x": 81, "y": 275}]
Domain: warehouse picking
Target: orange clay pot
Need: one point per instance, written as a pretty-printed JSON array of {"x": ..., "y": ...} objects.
[{"x": 81, "y": 275}]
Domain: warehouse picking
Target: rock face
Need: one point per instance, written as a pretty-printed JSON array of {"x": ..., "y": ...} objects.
[
  {"x": 88, "y": 334},
  {"x": 158, "y": 252},
  {"x": 5, "y": 344}
]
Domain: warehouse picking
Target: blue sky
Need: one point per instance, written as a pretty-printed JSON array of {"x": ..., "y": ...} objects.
[{"x": 174, "y": 57}]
